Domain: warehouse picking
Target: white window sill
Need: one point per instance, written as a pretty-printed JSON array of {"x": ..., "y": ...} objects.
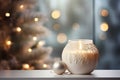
[{"x": 50, "y": 75}]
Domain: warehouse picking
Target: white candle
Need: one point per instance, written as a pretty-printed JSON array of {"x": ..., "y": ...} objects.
[{"x": 80, "y": 56}]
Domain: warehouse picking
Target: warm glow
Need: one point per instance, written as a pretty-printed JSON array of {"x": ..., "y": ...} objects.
[
  {"x": 18, "y": 29},
  {"x": 45, "y": 65},
  {"x": 29, "y": 50},
  {"x": 21, "y": 6},
  {"x": 104, "y": 27},
  {"x": 104, "y": 12},
  {"x": 76, "y": 26},
  {"x": 41, "y": 43},
  {"x": 7, "y": 14},
  {"x": 61, "y": 38},
  {"x": 55, "y": 14},
  {"x": 36, "y": 19},
  {"x": 26, "y": 66},
  {"x": 34, "y": 38},
  {"x": 8, "y": 42}
]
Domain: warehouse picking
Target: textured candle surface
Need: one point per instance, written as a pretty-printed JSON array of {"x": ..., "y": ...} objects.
[{"x": 80, "y": 57}]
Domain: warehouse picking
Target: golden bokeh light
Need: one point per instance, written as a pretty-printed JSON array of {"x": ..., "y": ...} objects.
[
  {"x": 104, "y": 13},
  {"x": 104, "y": 27},
  {"x": 61, "y": 38},
  {"x": 41, "y": 43},
  {"x": 29, "y": 50},
  {"x": 18, "y": 29},
  {"x": 34, "y": 38},
  {"x": 36, "y": 19},
  {"x": 21, "y": 6},
  {"x": 55, "y": 14},
  {"x": 45, "y": 65},
  {"x": 7, "y": 14},
  {"x": 26, "y": 66},
  {"x": 8, "y": 42}
]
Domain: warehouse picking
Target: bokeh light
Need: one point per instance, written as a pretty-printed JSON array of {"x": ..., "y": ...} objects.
[
  {"x": 36, "y": 19},
  {"x": 61, "y": 38},
  {"x": 8, "y": 42},
  {"x": 41, "y": 43},
  {"x": 104, "y": 27},
  {"x": 25, "y": 66},
  {"x": 45, "y": 66},
  {"x": 34, "y": 38},
  {"x": 7, "y": 14},
  {"x": 18, "y": 29},
  {"x": 104, "y": 12},
  {"x": 55, "y": 14},
  {"x": 29, "y": 50},
  {"x": 21, "y": 6}
]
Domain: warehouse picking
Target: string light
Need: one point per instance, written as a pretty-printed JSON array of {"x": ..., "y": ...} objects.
[
  {"x": 26, "y": 66},
  {"x": 21, "y": 6},
  {"x": 104, "y": 12},
  {"x": 29, "y": 50},
  {"x": 41, "y": 43},
  {"x": 36, "y": 19},
  {"x": 55, "y": 14},
  {"x": 45, "y": 66},
  {"x": 8, "y": 42},
  {"x": 7, "y": 14},
  {"x": 104, "y": 27},
  {"x": 61, "y": 38},
  {"x": 18, "y": 29},
  {"x": 34, "y": 38}
]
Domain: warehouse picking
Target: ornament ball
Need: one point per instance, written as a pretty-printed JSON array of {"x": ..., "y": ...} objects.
[{"x": 59, "y": 67}]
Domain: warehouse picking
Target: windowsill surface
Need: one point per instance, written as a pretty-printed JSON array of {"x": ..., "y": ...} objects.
[{"x": 96, "y": 74}]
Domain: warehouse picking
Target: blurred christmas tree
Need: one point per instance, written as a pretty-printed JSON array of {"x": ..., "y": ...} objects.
[{"x": 21, "y": 35}]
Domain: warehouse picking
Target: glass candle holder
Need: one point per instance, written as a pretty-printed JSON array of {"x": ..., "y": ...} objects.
[{"x": 80, "y": 56}]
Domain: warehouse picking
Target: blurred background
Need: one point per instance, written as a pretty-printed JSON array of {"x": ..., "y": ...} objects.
[
  {"x": 33, "y": 33},
  {"x": 107, "y": 33}
]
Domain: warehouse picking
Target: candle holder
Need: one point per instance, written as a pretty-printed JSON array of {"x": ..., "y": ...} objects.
[{"x": 80, "y": 56}]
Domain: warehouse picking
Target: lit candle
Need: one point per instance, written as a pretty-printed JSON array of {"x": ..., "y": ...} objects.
[{"x": 80, "y": 56}]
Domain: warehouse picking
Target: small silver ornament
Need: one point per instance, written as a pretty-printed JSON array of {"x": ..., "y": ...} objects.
[{"x": 59, "y": 67}]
